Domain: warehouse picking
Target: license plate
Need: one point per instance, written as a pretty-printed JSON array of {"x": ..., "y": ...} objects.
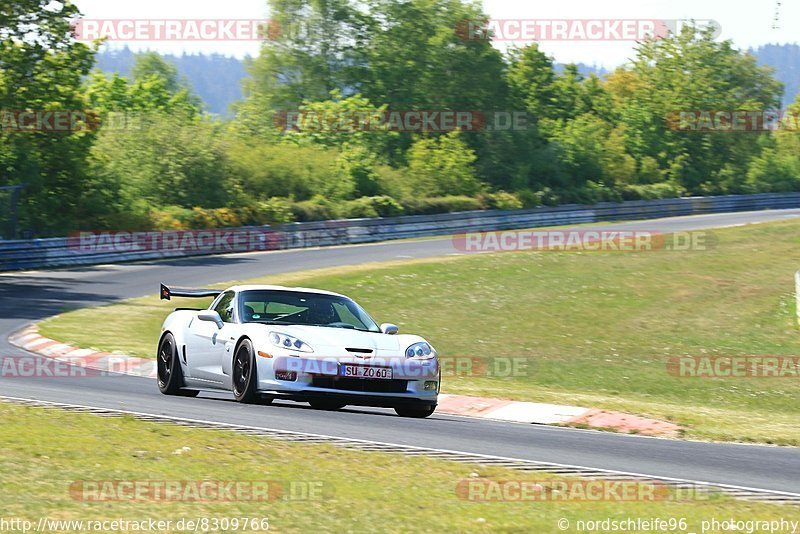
[{"x": 360, "y": 371}]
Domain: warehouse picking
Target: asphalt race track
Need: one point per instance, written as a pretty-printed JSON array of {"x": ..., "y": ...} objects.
[{"x": 30, "y": 296}]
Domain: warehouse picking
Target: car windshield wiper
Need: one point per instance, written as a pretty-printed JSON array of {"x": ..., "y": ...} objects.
[{"x": 345, "y": 326}]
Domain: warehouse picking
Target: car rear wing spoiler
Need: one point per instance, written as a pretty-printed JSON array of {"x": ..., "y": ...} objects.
[{"x": 167, "y": 293}]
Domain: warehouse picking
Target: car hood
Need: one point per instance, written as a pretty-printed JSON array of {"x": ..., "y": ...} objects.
[{"x": 320, "y": 337}]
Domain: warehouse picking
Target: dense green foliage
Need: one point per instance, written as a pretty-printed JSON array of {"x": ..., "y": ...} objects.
[{"x": 159, "y": 161}]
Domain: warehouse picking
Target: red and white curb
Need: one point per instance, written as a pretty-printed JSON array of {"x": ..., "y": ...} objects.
[
  {"x": 29, "y": 339},
  {"x": 553, "y": 414},
  {"x": 483, "y": 407}
]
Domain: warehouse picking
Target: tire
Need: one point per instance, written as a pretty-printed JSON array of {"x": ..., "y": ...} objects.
[
  {"x": 169, "y": 372},
  {"x": 324, "y": 404},
  {"x": 243, "y": 376},
  {"x": 417, "y": 413}
]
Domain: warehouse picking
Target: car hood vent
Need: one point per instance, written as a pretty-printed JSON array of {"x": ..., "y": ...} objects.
[{"x": 362, "y": 351}]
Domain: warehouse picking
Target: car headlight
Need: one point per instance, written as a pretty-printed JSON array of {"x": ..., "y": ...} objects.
[
  {"x": 285, "y": 341},
  {"x": 420, "y": 350}
]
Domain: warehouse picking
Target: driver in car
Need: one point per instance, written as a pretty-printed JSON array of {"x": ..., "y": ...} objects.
[{"x": 322, "y": 313}]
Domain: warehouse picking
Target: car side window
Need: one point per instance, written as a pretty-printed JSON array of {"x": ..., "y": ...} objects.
[{"x": 225, "y": 306}]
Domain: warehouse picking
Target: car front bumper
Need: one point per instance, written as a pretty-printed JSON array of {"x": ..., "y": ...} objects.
[{"x": 414, "y": 383}]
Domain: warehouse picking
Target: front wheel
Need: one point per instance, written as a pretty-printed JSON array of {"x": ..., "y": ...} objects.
[
  {"x": 244, "y": 373},
  {"x": 418, "y": 413}
]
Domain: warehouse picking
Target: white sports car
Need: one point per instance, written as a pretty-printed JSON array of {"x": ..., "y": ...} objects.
[{"x": 270, "y": 342}]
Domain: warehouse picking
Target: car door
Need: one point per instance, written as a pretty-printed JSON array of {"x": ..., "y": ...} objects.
[{"x": 206, "y": 342}]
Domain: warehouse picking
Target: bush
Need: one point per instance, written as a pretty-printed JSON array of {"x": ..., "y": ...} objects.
[
  {"x": 776, "y": 170},
  {"x": 273, "y": 211},
  {"x": 170, "y": 218},
  {"x": 387, "y": 206},
  {"x": 169, "y": 161},
  {"x": 284, "y": 170},
  {"x": 652, "y": 191},
  {"x": 501, "y": 201},
  {"x": 357, "y": 166},
  {"x": 317, "y": 208},
  {"x": 377, "y": 206},
  {"x": 394, "y": 182},
  {"x": 358, "y": 209},
  {"x": 529, "y": 198},
  {"x": 448, "y": 204},
  {"x": 533, "y": 199},
  {"x": 588, "y": 194},
  {"x": 215, "y": 218},
  {"x": 442, "y": 165}
]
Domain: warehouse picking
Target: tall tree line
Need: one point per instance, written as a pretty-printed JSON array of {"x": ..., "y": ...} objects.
[{"x": 172, "y": 165}]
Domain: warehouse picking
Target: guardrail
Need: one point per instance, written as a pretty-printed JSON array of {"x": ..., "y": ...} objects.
[{"x": 62, "y": 251}]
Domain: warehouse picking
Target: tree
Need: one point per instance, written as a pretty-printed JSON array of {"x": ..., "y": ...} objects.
[
  {"x": 41, "y": 67},
  {"x": 531, "y": 81},
  {"x": 154, "y": 88},
  {"x": 442, "y": 166},
  {"x": 405, "y": 55},
  {"x": 337, "y": 122},
  {"x": 151, "y": 64},
  {"x": 418, "y": 59},
  {"x": 689, "y": 72},
  {"x": 777, "y": 168},
  {"x": 312, "y": 50}
]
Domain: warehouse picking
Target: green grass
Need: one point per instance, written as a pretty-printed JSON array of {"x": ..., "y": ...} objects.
[
  {"x": 43, "y": 452},
  {"x": 599, "y": 326}
]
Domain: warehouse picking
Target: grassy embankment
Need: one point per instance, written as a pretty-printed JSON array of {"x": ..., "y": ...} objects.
[{"x": 44, "y": 452}]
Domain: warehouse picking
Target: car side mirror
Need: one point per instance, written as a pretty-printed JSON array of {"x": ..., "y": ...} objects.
[
  {"x": 389, "y": 328},
  {"x": 211, "y": 316}
]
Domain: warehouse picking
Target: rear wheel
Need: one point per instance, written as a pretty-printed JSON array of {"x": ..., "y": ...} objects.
[
  {"x": 168, "y": 369},
  {"x": 323, "y": 404},
  {"x": 419, "y": 413},
  {"x": 244, "y": 373}
]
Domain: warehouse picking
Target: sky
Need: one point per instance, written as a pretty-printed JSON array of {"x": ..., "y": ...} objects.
[{"x": 748, "y": 24}]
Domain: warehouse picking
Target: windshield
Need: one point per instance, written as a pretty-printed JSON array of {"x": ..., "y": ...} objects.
[{"x": 297, "y": 307}]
